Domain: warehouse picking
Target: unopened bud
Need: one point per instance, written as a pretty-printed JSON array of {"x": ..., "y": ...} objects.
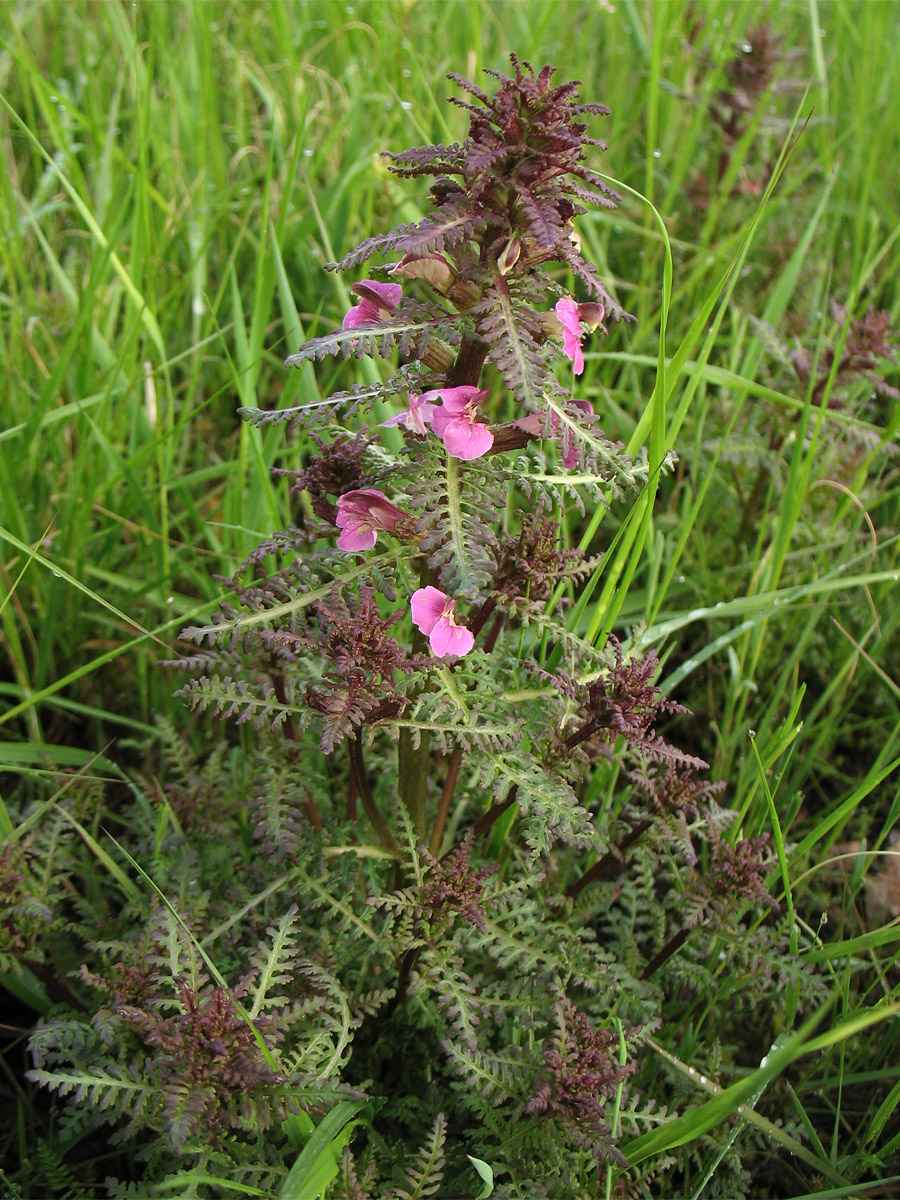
[
  {"x": 591, "y": 314},
  {"x": 511, "y": 254},
  {"x": 435, "y": 269}
]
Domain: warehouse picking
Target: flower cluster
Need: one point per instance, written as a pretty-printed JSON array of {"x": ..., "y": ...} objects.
[
  {"x": 504, "y": 202},
  {"x": 453, "y": 415}
]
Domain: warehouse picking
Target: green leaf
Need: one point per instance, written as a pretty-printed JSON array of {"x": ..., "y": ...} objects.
[
  {"x": 318, "y": 1162},
  {"x": 486, "y": 1173}
]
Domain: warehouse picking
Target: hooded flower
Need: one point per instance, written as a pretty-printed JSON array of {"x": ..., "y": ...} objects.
[
  {"x": 567, "y": 311},
  {"x": 418, "y": 415},
  {"x": 377, "y": 301},
  {"x": 361, "y": 514},
  {"x": 455, "y": 421},
  {"x": 571, "y": 316},
  {"x": 432, "y": 613}
]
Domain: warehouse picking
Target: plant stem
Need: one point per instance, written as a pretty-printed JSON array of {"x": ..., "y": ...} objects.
[
  {"x": 469, "y": 362},
  {"x": 610, "y": 864},
  {"x": 440, "y": 821},
  {"x": 358, "y": 769},
  {"x": 412, "y": 768},
  {"x": 412, "y": 760},
  {"x": 494, "y": 813},
  {"x": 292, "y": 734},
  {"x": 667, "y": 951},
  {"x": 57, "y": 989}
]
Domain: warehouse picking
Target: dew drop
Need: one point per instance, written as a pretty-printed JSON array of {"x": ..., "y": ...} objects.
[
  {"x": 747, "y": 47},
  {"x": 405, "y": 104},
  {"x": 406, "y": 72},
  {"x": 657, "y": 153},
  {"x": 170, "y": 599},
  {"x": 307, "y": 153},
  {"x": 752, "y": 733}
]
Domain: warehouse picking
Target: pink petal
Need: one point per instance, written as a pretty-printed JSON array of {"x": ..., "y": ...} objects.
[
  {"x": 390, "y": 294},
  {"x": 567, "y": 311},
  {"x": 449, "y": 638},
  {"x": 356, "y": 537},
  {"x": 428, "y": 606},
  {"x": 458, "y": 399},
  {"x": 417, "y": 416},
  {"x": 372, "y": 506},
  {"x": 464, "y": 439},
  {"x": 372, "y": 308},
  {"x": 356, "y": 317}
]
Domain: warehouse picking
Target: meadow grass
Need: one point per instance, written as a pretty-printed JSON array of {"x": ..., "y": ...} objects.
[{"x": 176, "y": 177}]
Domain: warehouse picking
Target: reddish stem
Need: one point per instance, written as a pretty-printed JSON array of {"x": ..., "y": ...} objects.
[
  {"x": 610, "y": 864},
  {"x": 667, "y": 951},
  {"x": 358, "y": 770},
  {"x": 440, "y": 821}
]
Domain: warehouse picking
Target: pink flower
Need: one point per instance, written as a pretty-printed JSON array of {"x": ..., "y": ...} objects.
[
  {"x": 418, "y": 414},
  {"x": 361, "y": 514},
  {"x": 567, "y": 311},
  {"x": 432, "y": 613},
  {"x": 455, "y": 421},
  {"x": 377, "y": 301}
]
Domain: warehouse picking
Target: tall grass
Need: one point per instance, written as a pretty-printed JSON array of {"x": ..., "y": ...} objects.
[{"x": 175, "y": 177}]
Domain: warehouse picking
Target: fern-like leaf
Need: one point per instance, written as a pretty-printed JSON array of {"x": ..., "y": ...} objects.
[
  {"x": 514, "y": 331},
  {"x": 425, "y": 1175},
  {"x": 548, "y": 805}
]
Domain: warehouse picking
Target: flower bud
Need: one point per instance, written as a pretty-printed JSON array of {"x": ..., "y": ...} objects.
[
  {"x": 511, "y": 254},
  {"x": 433, "y": 268}
]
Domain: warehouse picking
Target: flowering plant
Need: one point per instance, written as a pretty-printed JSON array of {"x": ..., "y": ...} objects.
[{"x": 427, "y": 630}]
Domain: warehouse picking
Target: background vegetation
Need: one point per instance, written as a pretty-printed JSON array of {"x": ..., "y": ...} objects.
[{"x": 175, "y": 177}]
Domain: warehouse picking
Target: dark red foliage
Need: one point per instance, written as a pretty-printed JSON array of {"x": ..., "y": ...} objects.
[
  {"x": 581, "y": 1071},
  {"x": 362, "y": 655},
  {"x": 336, "y": 469},
  {"x": 533, "y": 562},
  {"x": 738, "y": 873},
  {"x": 454, "y": 887}
]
